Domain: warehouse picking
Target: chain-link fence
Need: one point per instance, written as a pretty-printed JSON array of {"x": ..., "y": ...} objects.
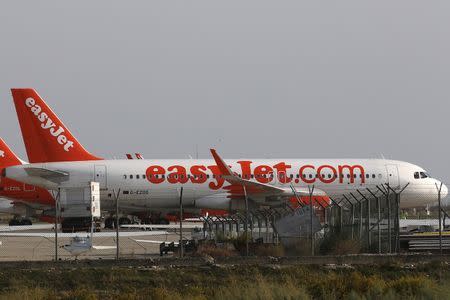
[{"x": 363, "y": 221}]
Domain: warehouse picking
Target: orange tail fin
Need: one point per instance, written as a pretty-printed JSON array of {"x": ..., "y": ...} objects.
[
  {"x": 46, "y": 138},
  {"x": 7, "y": 157}
]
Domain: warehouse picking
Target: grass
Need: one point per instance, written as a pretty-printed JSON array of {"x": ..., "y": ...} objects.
[{"x": 429, "y": 281}]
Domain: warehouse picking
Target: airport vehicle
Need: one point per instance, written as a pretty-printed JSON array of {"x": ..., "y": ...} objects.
[
  {"x": 58, "y": 160},
  {"x": 20, "y": 199}
]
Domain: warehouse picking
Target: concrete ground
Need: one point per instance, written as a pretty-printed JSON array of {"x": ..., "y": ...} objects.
[{"x": 43, "y": 248}]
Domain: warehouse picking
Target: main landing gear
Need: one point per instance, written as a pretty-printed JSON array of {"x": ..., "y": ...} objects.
[
  {"x": 110, "y": 222},
  {"x": 20, "y": 222}
]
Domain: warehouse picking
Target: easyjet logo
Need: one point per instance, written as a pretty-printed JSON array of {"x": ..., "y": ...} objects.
[
  {"x": 281, "y": 171},
  {"x": 48, "y": 124}
]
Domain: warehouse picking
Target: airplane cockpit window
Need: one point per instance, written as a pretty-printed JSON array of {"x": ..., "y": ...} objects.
[{"x": 423, "y": 175}]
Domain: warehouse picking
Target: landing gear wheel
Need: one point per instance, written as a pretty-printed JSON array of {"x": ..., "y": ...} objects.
[
  {"x": 26, "y": 222},
  {"x": 20, "y": 222},
  {"x": 109, "y": 223},
  {"x": 163, "y": 221}
]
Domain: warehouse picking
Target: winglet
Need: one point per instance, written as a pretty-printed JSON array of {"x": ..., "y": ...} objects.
[{"x": 223, "y": 167}]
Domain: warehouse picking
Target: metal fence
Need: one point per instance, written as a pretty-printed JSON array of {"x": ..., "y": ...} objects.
[{"x": 365, "y": 221}]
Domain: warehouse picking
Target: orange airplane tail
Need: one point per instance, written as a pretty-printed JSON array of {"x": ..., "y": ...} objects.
[
  {"x": 46, "y": 138},
  {"x": 7, "y": 157}
]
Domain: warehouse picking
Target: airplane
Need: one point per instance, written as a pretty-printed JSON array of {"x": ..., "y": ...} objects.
[
  {"x": 58, "y": 160},
  {"x": 25, "y": 201},
  {"x": 18, "y": 198}
]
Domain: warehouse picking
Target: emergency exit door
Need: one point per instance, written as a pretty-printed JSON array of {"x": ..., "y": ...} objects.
[
  {"x": 393, "y": 177},
  {"x": 100, "y": 176}
]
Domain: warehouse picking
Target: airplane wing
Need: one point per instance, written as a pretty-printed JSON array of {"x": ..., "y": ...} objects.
[
  {"x": 50, "y": 175},
  {"x": 254, "y": 188},
  {"x": 26, "y": 227},
  {"x": 161, "y": 226},
  {"x": 103, "y": 247}
]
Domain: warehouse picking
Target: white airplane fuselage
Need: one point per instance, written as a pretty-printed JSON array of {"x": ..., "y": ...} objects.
[{"x": 153, "y": 184}]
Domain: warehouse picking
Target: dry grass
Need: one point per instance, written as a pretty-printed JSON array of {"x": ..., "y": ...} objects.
[
  {"x": 268, "y": 250},
  {"x": 238, "y": 282},
  {"x": 215, "y": 251}
]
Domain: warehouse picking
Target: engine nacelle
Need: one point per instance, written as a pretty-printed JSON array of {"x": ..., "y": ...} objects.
[
  {"x": 221, "y": 202},
  {"x": 8, "y": 207}
]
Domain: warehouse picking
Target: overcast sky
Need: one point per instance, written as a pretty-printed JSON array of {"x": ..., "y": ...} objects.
[{"x": 294, "y": 79}]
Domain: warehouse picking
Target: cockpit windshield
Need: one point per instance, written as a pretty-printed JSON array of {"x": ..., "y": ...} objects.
[{"x": 421, "y": 175}]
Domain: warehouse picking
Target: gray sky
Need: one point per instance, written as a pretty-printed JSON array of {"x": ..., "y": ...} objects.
[{"x": 254, "y": 78}]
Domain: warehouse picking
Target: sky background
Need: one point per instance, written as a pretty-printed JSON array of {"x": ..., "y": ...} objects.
[{"x": 293, "y": 79}]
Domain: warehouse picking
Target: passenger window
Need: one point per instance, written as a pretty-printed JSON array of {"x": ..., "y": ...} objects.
[
  {"x": 143, "y": 176},
  {"x": 367, "y": 176},
  {"x": 124, "y": 176},
  {"x": 137, "y": 177},
  {"x": 373, "y": 176},
  {"x": 131, "y": 176}
]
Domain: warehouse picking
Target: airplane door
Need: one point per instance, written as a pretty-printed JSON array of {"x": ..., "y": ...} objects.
[
  {"x": 393, "y": 178},
  {"x": 100, "y": 175}
]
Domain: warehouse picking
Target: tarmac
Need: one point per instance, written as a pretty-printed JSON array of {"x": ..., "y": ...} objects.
[{"x": 43, "y": 248}]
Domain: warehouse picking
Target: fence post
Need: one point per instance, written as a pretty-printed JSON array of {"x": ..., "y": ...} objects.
[
  {"x": 311, "y": 213},
  {"x": 439, "y": 189}
]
